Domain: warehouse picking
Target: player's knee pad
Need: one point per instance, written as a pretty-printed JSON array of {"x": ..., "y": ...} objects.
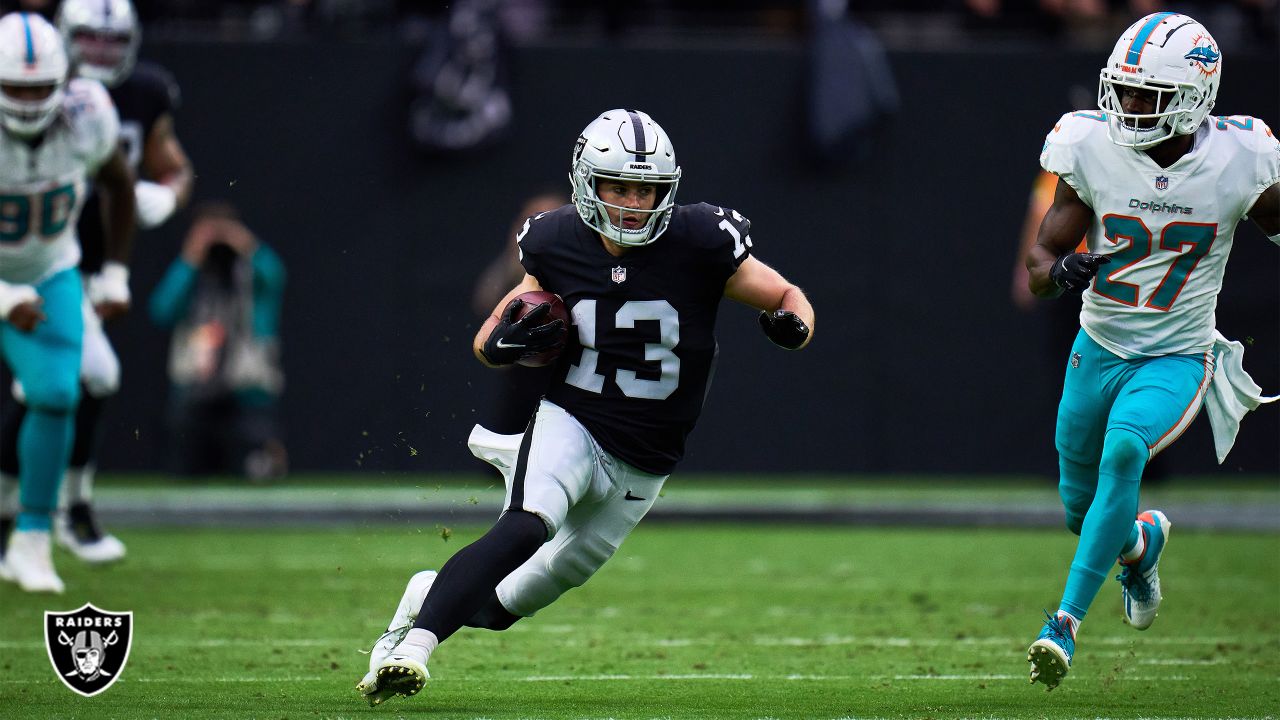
[
  {"x": 580, "y": 559},
  {"x": 1124, "y": 454},
  {"x": 1075, "y": 438},
  {"x": 548, "y": 575},
  {"x": 52, "y": 393}
]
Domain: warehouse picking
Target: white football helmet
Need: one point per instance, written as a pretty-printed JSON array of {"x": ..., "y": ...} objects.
[
  {"x": 1176, "y": 57},
  {"x": 624, "y": 145},
  {"x": 31, "y": 55},
  {"x": 102, "y": 38}
]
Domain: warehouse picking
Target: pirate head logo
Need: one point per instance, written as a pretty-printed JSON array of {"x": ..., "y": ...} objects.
[{"x": 88, "y": 647}]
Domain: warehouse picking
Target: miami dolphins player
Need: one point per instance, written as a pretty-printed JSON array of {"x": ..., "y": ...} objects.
[
  {"x": 643, "y": 279},
  {"x": 1158, "y": 185},
  {"x": 102, "y": 38},
  {"x": 55, "y": 136}
]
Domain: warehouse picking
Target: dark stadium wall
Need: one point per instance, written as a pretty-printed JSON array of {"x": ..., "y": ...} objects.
[{"x": 920, "y": 363}]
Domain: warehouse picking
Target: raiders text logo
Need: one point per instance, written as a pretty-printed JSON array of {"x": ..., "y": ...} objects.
[{"x": 88, "y": 647}]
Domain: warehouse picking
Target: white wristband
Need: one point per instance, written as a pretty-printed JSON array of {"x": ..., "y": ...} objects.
[
  {"x": 12, "y": 296},
  {"x": 1274, "y": 238},
  {"x": 110, "y": 284},
  {"x": 155, "y": 203}
]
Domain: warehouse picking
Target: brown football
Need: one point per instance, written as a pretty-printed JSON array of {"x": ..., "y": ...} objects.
[{"x": 531, "y": 300}]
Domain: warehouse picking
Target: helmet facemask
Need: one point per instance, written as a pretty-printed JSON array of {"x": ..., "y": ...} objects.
[
  {"x": 28, "y": 118},
  {"x": 102, "y": 38},
  {"x": 595, "y": 212},
  {"x": 107, "y": 57},
  {"x": 1179, "y": 110}
]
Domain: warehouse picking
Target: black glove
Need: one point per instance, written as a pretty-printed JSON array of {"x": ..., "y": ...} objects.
[
  {"x": 513, "y": 339},
  {"x": 784, "y": 328},
  {"x": 1073, "y": 272}
]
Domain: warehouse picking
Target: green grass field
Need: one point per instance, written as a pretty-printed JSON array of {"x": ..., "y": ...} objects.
[{"x": 688, "y": 621}]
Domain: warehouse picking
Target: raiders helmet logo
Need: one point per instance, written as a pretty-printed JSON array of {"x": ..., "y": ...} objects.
[{"x": 88, "y": 647}]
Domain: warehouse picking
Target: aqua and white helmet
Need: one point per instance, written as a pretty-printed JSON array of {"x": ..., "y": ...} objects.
[
  {"x": 31, "y": 55},
  {"x": 624, "y": 145},
  {"x": 1172, "y": 55},
  {"x": 102, "y": 38}
]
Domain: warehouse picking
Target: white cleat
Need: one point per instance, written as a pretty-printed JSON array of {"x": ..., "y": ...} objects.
[
  {"x": 403, "y": 673},
  {"x": 85, "y": 538},
  {"x": 29, "y": 561},
  {"x": 415, "y": 592},
  {"x": 107, "y": 549},
  {"x": 1140, "y": 582}
]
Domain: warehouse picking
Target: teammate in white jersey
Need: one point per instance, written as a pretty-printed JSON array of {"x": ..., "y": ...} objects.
[
  {"x": 1158, "y": 185},
  {"x": 102, "y": 38},
  {"x": 55, "y": 137}
]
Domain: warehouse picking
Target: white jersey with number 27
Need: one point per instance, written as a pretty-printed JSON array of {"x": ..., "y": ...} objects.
[
  {"x": 43, "y": 187},
  {"x": 1168, "y": 231}
]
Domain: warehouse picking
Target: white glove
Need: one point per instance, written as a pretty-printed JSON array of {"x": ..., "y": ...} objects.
[
  {"x": 155, "y": 203},
  {"x": 12, "y": 296},
  {"x": 110, "y": 284}
]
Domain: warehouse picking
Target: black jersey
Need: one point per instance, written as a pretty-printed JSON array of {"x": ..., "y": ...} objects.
[
  {"x": 141, "y": 99},
  {"x": 638, "y": 374}
]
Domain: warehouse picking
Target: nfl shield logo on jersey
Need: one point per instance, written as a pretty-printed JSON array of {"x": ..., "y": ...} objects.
[
  {"x": 88, "y": 647},
  {"x": 619, "y": 274},
  {"x": 1162, "y": 182}
]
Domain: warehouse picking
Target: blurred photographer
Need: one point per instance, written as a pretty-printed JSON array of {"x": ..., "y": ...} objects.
[{"x": 222, "y": 296}]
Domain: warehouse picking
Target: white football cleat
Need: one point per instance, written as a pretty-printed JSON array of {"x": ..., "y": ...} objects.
[
  {"x": 403, "y": 673},
  {"x": 77, "y": 531},
  {"x": 30, "y": 562},
  {"x": 1140, "y": 581},
  {"x": 415, "y": 592}
]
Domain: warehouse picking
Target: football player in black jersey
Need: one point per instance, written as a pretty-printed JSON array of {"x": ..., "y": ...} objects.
[
  {"x": 102, "y": 38},
  {"x": 642, "y": 278}
]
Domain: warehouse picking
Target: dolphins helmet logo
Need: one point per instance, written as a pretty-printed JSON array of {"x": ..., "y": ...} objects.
[{"x": 1204, "y": 55}]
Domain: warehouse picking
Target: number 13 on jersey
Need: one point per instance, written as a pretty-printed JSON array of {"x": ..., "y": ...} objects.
[{"x": 584, "y": 375}]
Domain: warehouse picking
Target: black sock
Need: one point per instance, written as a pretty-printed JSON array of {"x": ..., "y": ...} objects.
[
  {"x": 10, "y": 423},
  {"x": 6, "y": 527},
  {"x": 83, "y": 524},
  {"x": 469, "y": 577},
  {"x": 493, "y": 615},
  {"x": 85, "y": 447}
]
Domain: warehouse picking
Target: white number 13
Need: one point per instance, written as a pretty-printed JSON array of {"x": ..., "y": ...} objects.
[{"x": 584, "y": 375}]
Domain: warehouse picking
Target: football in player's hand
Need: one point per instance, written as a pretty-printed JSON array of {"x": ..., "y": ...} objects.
[{"x": 558, "y": 311}]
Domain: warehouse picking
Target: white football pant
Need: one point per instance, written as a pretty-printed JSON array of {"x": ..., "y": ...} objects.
[{"x": 589, "y": 499}]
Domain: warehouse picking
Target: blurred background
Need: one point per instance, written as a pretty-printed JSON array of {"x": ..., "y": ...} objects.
[
  {"x": 842, "y": 514},
  {"x": 884, "y": 151}
]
